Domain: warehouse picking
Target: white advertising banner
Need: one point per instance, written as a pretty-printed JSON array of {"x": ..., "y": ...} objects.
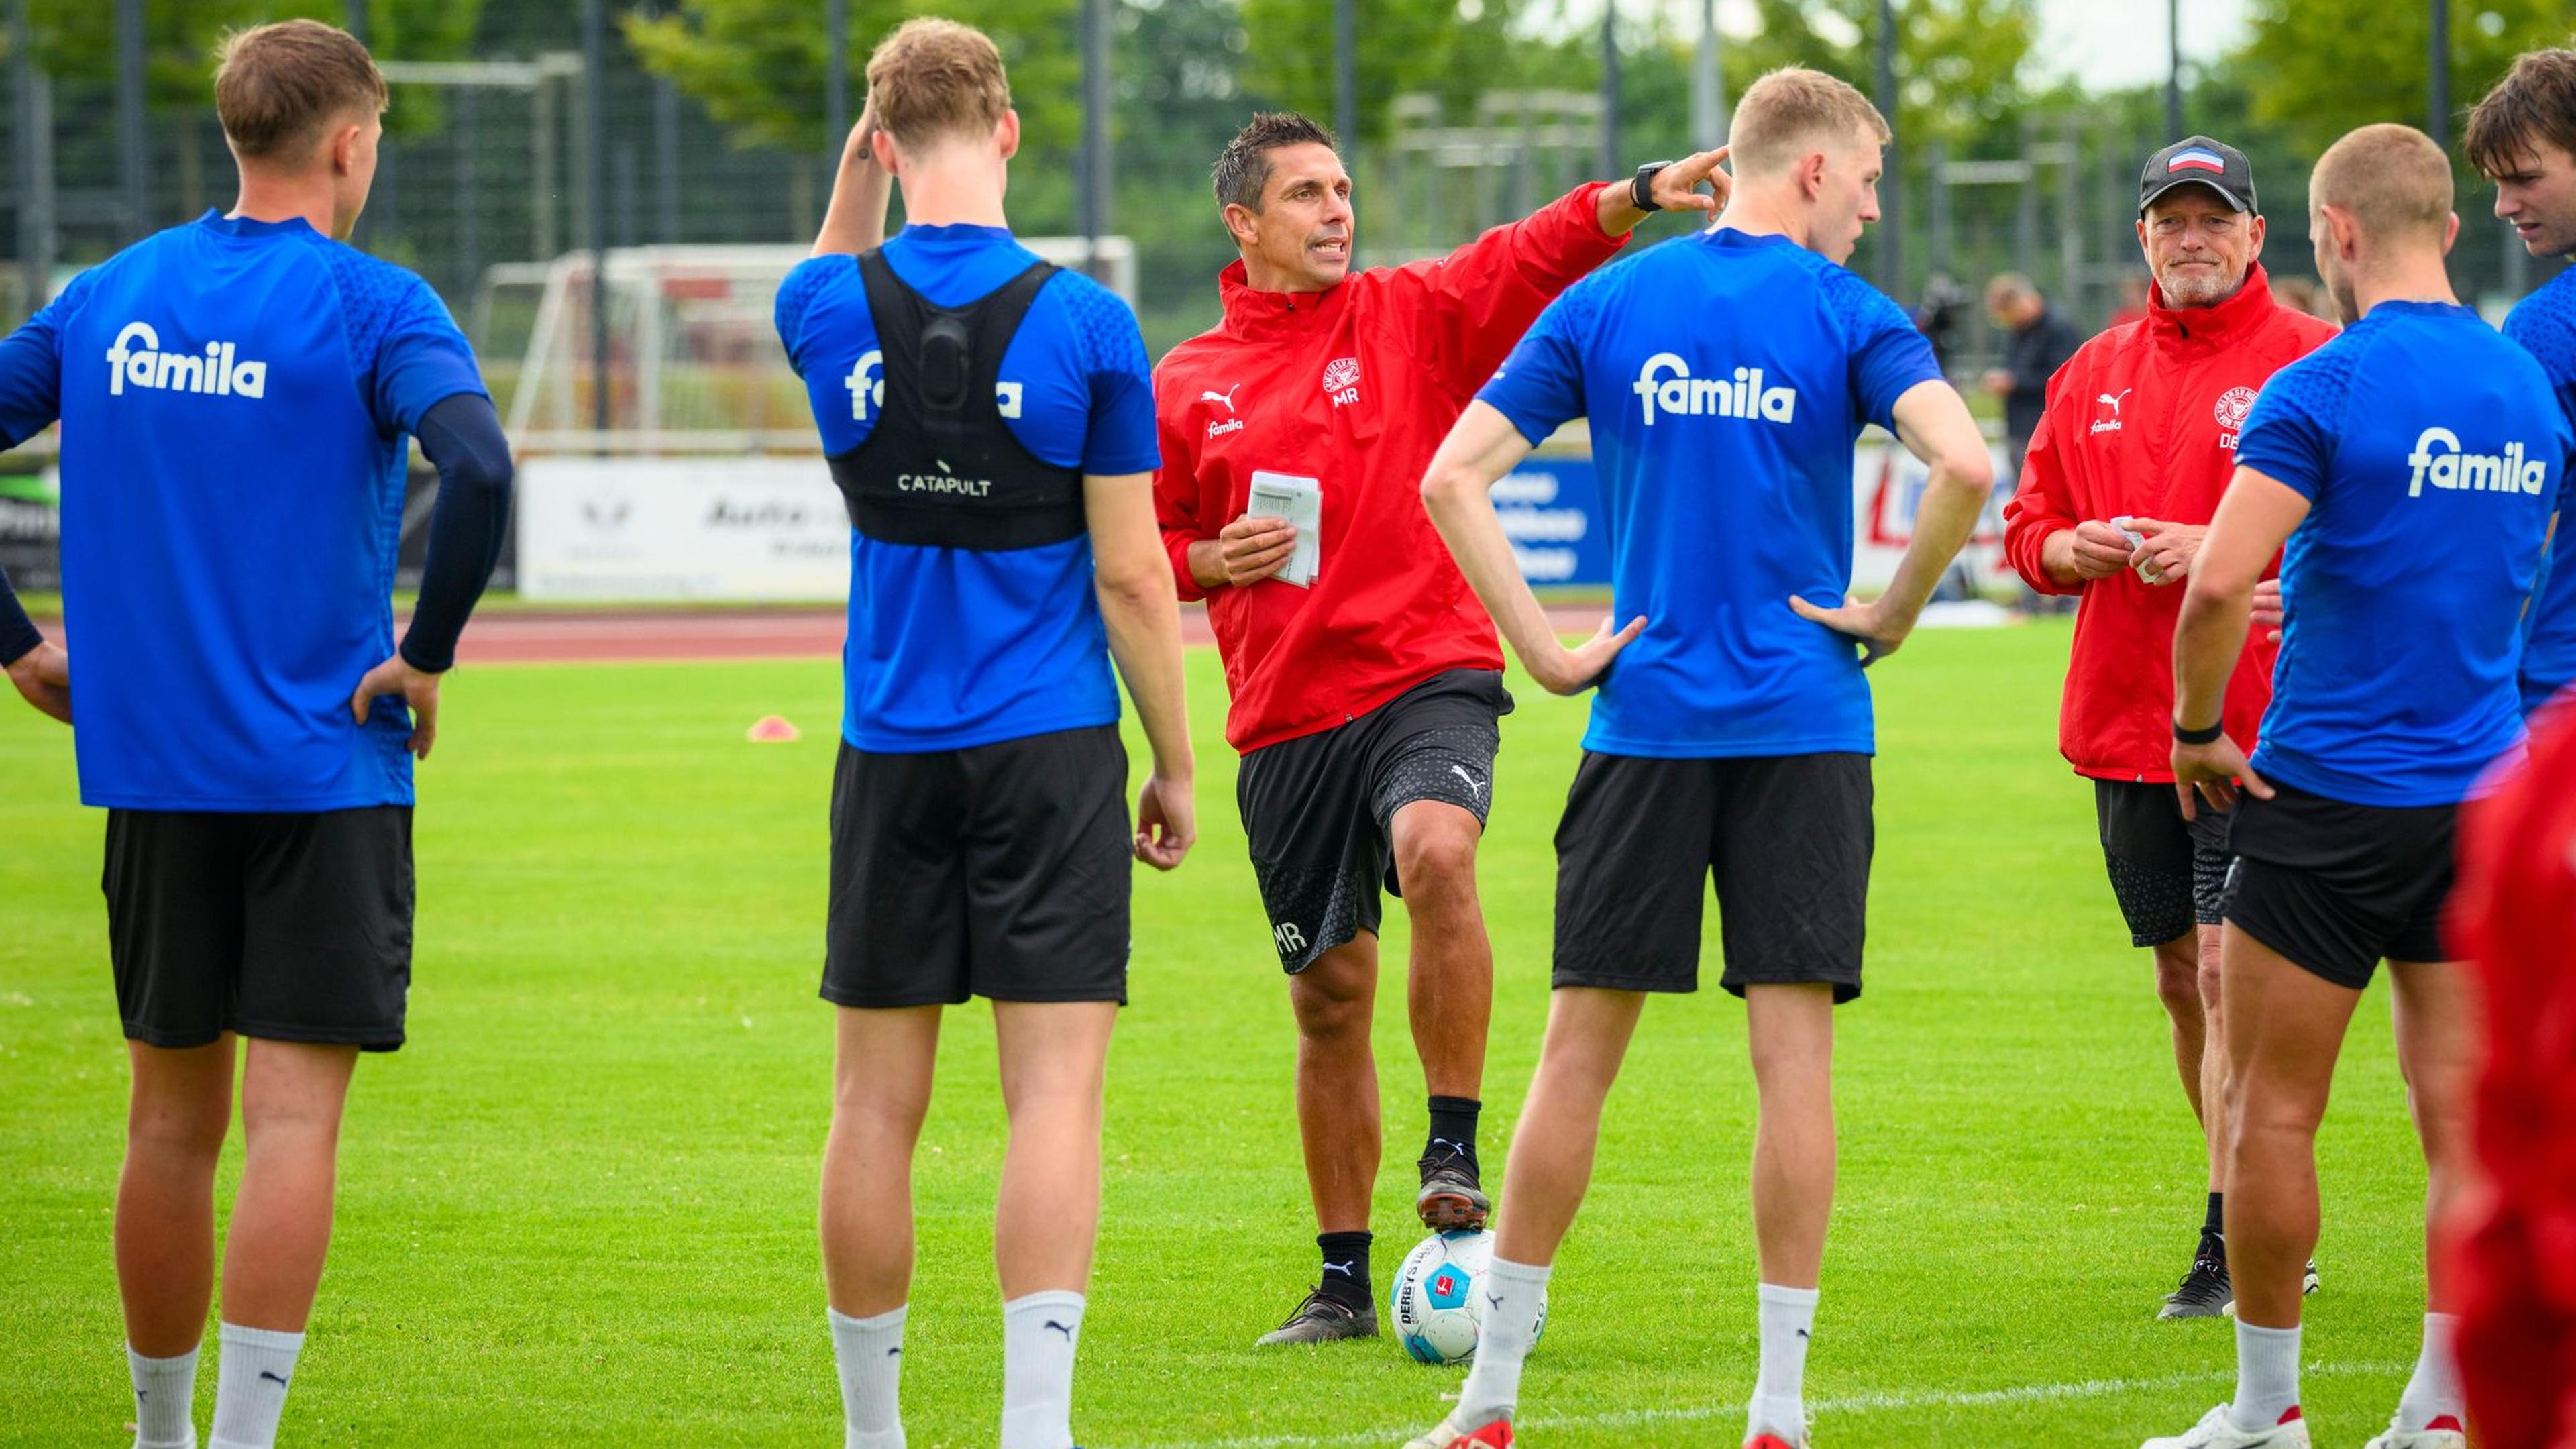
[
  {"x": 767, "y": 529},
  {"x": 1887, "y": 486}
]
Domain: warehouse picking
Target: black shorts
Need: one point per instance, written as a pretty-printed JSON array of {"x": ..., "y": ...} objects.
[
  {"x": 1000, "y": 871},
  {"x": 1317, "y": 809},
  {"x": 2167, "y": 872},
  {"x": 2337, "y": 887},
  {"x": 1787, "y": 839},
  {"x": 289, "y": 927}
]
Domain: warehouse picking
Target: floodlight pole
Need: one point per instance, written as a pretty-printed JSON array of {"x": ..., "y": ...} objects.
[
  {"x": 31, "y": 91},
  {"x": 1708, "y": 82},
  {"x": 836, "y": 76},
  {"x": 1346, "y": 76},
  {"x": 2173, "y": 71},
  {"x": 1611, "y": 161},
  {"x": 594, "y": 104},
  {"x": 2439, "y": 122},
  {"x": 134, "y": 157},
  {"x": 1091, "y": 198},
  {"x": 1891, "y": 193}
]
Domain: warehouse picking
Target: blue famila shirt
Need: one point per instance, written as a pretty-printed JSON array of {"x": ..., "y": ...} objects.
[
  {"x": 1726, "y": 377},
  {"x": 235, "y": 397},
  {"x": 2428, "y": 448},
  {"x": 2545, "y": 324},
  {"x": 951, "y": 648}
]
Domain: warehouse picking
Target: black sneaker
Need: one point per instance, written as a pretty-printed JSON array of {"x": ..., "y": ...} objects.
[
  {"x": 1451, "y": 1198},
  {"x": 1322, "y": 1318},
  {"x": 2205, "y": 1291}
]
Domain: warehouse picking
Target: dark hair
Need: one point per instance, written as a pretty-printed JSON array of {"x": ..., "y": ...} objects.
[
  {"x": 2536, "y": 101},
  {"x": 277, "y": 86},
  {"x": 1243, "y": 167}
]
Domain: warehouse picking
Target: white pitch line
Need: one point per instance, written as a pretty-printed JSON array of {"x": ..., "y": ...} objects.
[{"x": 1850, "y": 1404}]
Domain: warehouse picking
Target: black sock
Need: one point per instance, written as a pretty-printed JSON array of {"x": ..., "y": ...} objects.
[
  {"x": 1453, "y": 1121},
  {"x": 2215, "y": 1225},
  {"x": 1346, "y": 1267}
]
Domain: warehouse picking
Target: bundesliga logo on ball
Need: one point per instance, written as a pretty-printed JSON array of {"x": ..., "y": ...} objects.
[{"x": 1439, "y": 1297}]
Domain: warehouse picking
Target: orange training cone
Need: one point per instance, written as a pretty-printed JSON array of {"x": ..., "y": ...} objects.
[{"x": 771, "y": 729}]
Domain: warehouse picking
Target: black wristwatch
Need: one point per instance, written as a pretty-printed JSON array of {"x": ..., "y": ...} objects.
[
  {"x": 1641, "y": 190},
  {"x": 2202, "y": 736}
]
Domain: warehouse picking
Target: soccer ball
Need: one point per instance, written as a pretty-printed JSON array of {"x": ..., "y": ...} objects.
[{"x": 1437, "y": 1299}]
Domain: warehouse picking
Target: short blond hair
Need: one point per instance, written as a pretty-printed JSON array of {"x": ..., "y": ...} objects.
[
  {"x": 2393, "y": 180},
  {"x": 277, "y": 86},
  {"x": 1793, "y": 110},
  {"x": 935, "y": 78}
]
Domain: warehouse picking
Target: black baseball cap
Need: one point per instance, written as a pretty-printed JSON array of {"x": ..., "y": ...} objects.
[{"x": 2198, "y": 161}]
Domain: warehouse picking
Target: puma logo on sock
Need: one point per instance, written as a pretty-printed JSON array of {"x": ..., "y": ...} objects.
[
  {"x": 1060, "y": 1328},
  {"x": 272, "y": 1378}
]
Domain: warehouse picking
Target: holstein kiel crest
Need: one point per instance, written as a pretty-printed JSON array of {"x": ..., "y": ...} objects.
[
  {"x": 2233, "y": 405},
  {"x": 1342, "y": 380}
]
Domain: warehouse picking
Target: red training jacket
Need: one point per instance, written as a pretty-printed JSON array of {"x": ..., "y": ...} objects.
[
  {"x": 2510, "y": 1239},
  {"x": 1355, "y": 388},
  {"x": 2142, "y": 421}
]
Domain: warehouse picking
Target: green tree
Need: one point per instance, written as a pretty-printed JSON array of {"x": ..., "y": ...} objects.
[
  {"x": 759, "y": 66},
  {"x": 76, "y": 40},
  {"x": 2319, "y": 68},
  {"x": 1453, "y": 49}
]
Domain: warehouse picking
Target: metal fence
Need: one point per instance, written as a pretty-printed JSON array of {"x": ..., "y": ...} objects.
[{"x": 527, "y": 147}]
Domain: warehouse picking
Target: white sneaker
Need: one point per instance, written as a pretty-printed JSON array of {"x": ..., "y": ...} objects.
[
  {"x": 2216, "y": 1431},
  {"x": 2445, "y": 1432}
]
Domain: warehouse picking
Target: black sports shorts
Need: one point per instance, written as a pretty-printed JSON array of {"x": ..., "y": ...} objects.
[
  {"x": 1786, "y": 838},
  {"x": 1000, "y": 871},
  {"x": 289, "y": 927},
  {"x": 2337, "y": 887},
  {"x": 1317, "y": 809},
  {"x": 2167, "y": 872}
]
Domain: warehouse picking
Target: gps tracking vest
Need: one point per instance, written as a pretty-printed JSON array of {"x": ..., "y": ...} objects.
[{"x": 941, "y": 469}]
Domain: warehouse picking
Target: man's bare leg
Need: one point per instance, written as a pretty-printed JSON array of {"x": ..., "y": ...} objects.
[
  {"x": 1053, "y": 1059},
  {"x": 1588, "y": 1031},
  {"x": 883, "y": 1059},
  {"x": 165, "y": 1198},
  {"x": 2435, "y": 1012},
  {"x": 165, "y": 1225},
  {"x": 2285, "y": 1028},
  {"x": 292, "y": 1094},
  {"x": 1450, "y": 998},
  {"x": 1337, "y": 1121},
  {"x": 2187, "y": 980},
  {"x": 2178, "y": 970},
  {"x": 1790, "y": 1030}
]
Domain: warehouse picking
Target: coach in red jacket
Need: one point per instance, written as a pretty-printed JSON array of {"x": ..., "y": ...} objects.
[
  {"x": 2139, "y": 438},
  {"x": 1366, "y": 680}
]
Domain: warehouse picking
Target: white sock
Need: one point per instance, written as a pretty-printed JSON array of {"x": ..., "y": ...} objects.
[
  {"x": 2267, "y": 1375},
  {"x": 164, "y": 1389},
  {"x": 251, "y": 1376},
  {"x": 2434, "y": 1392},
  {"x": 1779, "y": 1406},
  {"x": 1039, "y": 1333},
  {"x": 1514, "y": 1295},
  {"x": 869, "y": 1352}
]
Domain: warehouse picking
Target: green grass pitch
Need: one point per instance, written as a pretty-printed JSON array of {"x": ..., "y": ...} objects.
[{"x": 577, "y": 1208}]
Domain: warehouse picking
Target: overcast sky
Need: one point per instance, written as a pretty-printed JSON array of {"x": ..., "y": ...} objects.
[{"x": 2106, "y": 44}]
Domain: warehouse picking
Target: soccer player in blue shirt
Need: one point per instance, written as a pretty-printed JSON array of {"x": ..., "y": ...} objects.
[
  {"x": 2407, "y": 465},
  {"x": 234, "y": 396},
  {"x": 2522, "y": 137},
  {"x": 990, "y": 422},
  {"x": 1726, "y": 378}
]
